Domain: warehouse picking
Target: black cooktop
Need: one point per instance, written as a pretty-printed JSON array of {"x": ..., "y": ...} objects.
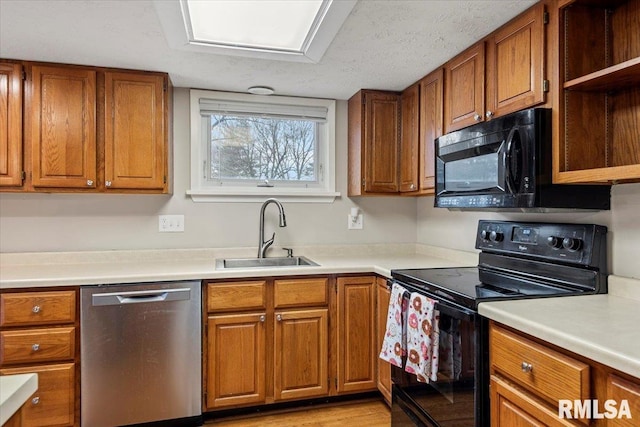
[{"x": 469, "y": 286}]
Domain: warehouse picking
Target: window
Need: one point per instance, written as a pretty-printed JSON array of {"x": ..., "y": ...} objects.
[{"x": 246, "y": 147}]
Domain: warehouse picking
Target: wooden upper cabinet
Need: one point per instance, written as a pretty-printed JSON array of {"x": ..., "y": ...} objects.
[
  {"x": 373, "y": 142},
  {"x": 431, "y": 99},
  {"x": 135, "y": 131},
  {"x": 10, "y": 125},
  {"x": 515, "y": 64},
  {"x": 63, "y": 127},
  {"x": 596, "y": 131},
  {"x": 464, "y": 89},
  {"x": 409, "y": 138}
]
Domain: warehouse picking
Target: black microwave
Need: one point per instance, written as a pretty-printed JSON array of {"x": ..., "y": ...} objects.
[{"x": 505, "y": 164}]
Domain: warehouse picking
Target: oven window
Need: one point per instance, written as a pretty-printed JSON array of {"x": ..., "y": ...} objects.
[{"x": 472, "y": 173}]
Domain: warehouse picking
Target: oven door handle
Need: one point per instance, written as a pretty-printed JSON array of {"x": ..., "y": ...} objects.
[{"x": 445, "y": 307}]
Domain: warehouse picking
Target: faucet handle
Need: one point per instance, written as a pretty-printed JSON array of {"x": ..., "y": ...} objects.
[{"x": 289, "y": 252}]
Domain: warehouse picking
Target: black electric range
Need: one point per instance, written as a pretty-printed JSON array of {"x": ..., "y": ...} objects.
[{"x": 517, "y": 260}]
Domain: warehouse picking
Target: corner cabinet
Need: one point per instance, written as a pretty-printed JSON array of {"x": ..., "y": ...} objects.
[
  {"x": 10, "y": 124},
  {"x": 357, "y": 356},
  {"x": 409, "y": 138},
  {"x": 431, "y": 103},
  {"x": 373, "y": 140},
  {"x": 383, "y": 294},
  {"x": 86, "y": 129},
  {"x": 597, "y": 125}
]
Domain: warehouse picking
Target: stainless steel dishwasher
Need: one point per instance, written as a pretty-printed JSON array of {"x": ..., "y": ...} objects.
[{"x": 141, "y": 354}]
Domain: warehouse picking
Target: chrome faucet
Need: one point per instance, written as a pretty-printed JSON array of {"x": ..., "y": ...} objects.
[{"x": 262, "y": 244}]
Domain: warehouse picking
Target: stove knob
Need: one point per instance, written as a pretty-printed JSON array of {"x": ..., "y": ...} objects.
[
  {"x": 496, "y": 236},
  {"x": 554, "y": 242},
  {"x": 573, "y": 244},
  {"x": 484, "y": 235}
]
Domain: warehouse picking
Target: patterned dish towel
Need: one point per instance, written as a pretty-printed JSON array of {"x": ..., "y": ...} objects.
[
  {"x": 394, "y": 343},
  {"x": 423, "y": 339}
]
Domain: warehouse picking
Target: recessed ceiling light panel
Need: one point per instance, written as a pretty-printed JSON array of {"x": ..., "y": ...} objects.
[{"x": 270, "y": 29}]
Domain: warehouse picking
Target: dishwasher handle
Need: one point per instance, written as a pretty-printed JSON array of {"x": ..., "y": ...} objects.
[{"x": 137, "y": 297}]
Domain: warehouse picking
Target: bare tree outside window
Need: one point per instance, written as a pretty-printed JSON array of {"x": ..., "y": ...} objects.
[{"x": 260, "y": 148}]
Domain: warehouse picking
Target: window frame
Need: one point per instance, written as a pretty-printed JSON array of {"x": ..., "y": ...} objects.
[{"x": 203, "y": 190}]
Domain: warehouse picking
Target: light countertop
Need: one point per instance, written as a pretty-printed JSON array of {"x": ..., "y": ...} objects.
[
  {"x": 603, "y": 328},
  {"x": 92, "y": 268},
  {"x": 14, "y": 392}
]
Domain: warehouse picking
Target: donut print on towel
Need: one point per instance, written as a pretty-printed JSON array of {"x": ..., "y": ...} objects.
[
  {"x": 394, "y": 342},
  {"x": 422, "y": 338}
]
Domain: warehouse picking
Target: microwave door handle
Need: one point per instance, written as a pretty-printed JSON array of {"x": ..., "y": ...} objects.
[{"x": 507, "y": 161}]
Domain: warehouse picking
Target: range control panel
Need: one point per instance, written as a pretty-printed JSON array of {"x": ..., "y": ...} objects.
[{"x": 574, "y": 243}]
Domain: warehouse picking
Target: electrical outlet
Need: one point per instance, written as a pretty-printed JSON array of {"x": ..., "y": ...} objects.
[
  {"x": 355, "y": 222},
  {"x": 171, "y": 223}
]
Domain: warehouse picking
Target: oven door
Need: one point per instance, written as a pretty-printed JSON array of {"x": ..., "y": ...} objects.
[{"x": 454, "y": 398}]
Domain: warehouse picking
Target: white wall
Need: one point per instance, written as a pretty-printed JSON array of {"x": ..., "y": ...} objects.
[
  {"x": 456, "y": 230},
  {"x": 70, "y": 222}
]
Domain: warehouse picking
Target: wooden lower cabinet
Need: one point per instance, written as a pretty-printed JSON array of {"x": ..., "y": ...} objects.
[
  {"x": 237, "y": 360},
  {"x": 301, "y": 354},
  {"x": 383, "y": 293},
  {"x": 356, "y": 334},
  {"x": 53, "y": 404},
  {"x": 529, "y": 378}
]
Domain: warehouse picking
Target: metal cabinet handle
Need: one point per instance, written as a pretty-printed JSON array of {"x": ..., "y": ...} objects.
[
  {"x": 412, "y": 186},
  {"x": 35, "y": 347},
  {"x": 89, "y": 182},
  {"x": 262, "y": 318},
  {"x": 279, "y": 317},
  {"x": 107, "y": 183},
  {"x": 477, "y": 117},
  {"x": 35, "y": 400},
  {"x": 36, "y": 309},
  {"x": 526, "y": 367},
  {"x": 489, "y": 114}
]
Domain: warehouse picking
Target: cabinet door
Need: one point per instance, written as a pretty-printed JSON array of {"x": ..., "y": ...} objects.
[
  {"x": 135, "y": 132},
  {"x": 430, "y": 127},
  {"x": 384, "y": 368},
  {"x": 515, "y": 64},
  {"x": 301, "y": 354},
  {"x": 409, "y": 138},
  {"x": 512, "y": 407},
  {"x": 236, "y": 360},
  {"x": 53, "y": 404},
  {"x": 619, "y": 389},
  {"x": 464, "y": 89},
  {"x": 10, "y": 125},
  {"x": 63, "y": 127},
  {"x": 381, "y": 142},
  {"x": 356, "y": 334}
]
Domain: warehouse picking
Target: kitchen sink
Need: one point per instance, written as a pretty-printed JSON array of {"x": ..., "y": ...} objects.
[{"x": 296, "y": 261}]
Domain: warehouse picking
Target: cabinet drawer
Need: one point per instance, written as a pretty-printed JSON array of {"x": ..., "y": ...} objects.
[
  {"x": 620, "y": 389},
  {"x": 236, "y": 296},
  {"x": 37, "y": 308},
  {"x": 53, "y": 404},
  {"x": 300, "y": 292},
  {"x": 552, "y": 375},
  {"x": 37, "y": 345}
]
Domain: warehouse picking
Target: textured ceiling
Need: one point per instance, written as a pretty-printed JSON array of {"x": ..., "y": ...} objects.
[{"x": 383, "y": 44}]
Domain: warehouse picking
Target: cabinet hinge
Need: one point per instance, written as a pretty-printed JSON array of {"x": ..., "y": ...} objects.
[
  {"x": 545, "y": 18},
  {"x": 23, "y": 175},
  {"x": 363, "y": 183},
  {"x": 336, "y": 382},
  {"x": 335, "y": 288},
  {"x": 164, "y": 179},
  {"x": 164, "y": 87},
  {"x": 24, "y": 75},
  {"x": 545, "y": 85}
]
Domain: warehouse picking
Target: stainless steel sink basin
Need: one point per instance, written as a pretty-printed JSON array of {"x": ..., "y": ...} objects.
[{"x": 296, "y": 261}]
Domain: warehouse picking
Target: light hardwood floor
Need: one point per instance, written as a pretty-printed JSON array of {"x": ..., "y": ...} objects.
[{"x": 363, "y": 413}]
